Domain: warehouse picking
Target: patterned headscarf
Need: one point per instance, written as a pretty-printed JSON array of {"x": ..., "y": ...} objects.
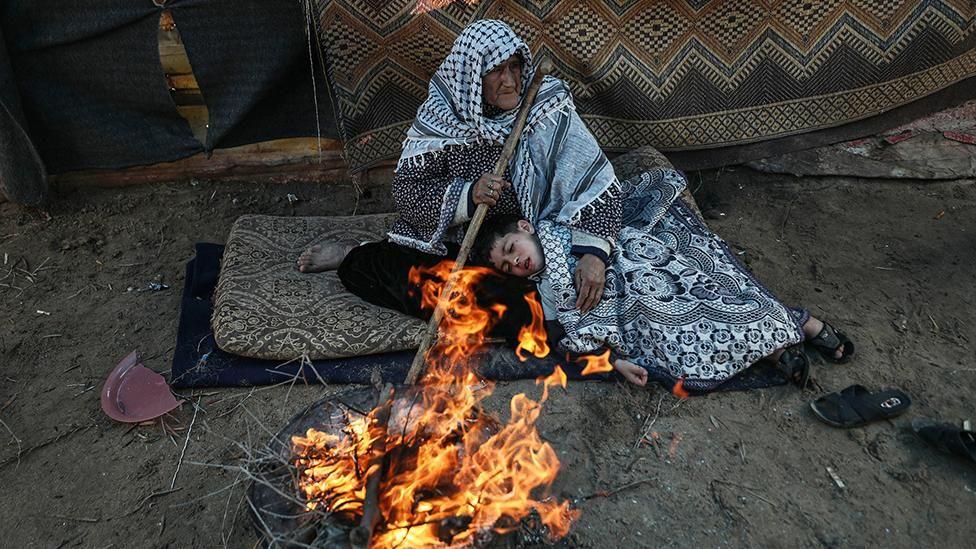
[
  {"x": 557, "y": 169},
  {"x": 453, "y": 112}
]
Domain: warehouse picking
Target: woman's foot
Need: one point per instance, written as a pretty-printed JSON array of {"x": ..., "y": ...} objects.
[
  {"x": 829, "y": 342},
  {"x": 323, "y": 257}
]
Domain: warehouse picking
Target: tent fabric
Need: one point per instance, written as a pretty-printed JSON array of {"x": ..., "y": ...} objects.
[
  {"x": 680, "y": 75},
  {"x": 22, "y": 174},
  {"x": 94, "y": 94},
  {"x": 254, "y": 66}
]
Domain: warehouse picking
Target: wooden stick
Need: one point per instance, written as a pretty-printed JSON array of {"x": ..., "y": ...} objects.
[
  {"x": 419, "y": 361},
  {"x": 362, "y": 535}
]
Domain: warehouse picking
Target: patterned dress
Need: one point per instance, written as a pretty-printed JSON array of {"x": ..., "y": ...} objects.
[{"x": 432, "y": 198}]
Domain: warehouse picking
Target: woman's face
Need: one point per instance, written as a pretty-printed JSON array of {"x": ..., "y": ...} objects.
[{"x": 501, "y": 85}]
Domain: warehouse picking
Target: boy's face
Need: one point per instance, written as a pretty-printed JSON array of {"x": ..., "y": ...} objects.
[{"x": 519, "y": 252}]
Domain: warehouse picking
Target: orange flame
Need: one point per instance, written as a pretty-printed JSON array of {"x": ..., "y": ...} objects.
[
  {"x": 533, "y": 338},
  {"x": 679, "y": 389},
  {"x": 596, "y": 364},
  {"x": 447, "y": 460},
  {"x": 557, "y": 377}
]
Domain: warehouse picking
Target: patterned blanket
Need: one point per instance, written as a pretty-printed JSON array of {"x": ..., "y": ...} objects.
[
  {"x": 676, "y": 301},
  {"x": 675, "y": 74}
]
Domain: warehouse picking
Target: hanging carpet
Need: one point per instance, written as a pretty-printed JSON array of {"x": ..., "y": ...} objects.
[{"x": 680, "y": 75}]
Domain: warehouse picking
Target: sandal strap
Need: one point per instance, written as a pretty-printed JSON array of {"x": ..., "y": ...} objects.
[
  {"x": 794, "y": 362},
  {"x": 827, "y": 338}
]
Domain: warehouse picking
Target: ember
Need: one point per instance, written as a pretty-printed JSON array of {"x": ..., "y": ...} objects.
[{"x": 455, "y": 474}]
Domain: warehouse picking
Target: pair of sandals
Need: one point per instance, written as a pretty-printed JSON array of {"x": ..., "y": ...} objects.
[
  {"x": 795, "y": 363},
  {"x": 856, "y": 406}
]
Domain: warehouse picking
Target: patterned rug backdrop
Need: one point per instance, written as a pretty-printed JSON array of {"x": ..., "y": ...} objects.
[{"x": 675, "y": 74}]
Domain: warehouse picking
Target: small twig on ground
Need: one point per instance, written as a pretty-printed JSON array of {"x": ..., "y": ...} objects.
[
  {"x": 74, "y": 295},
  {"x": 146, "y": 499},
  {"x": 648, "y": 423},
  {"x": 185, "y": 443},
  {"x": 751, "y": 489},
  {"x": 43, "y": 444},
  {"x": 162, "y": 240},
  {"x": 8, "y": 402},
  {"x": 77, "y": 519},
  {"x": 835, "y": 478},
  {"x": 613, "y": 491},
  {"x": 645, "y": 431},
  {"x": 83, "y": 391},
  {"x": 225, "y": 538},
  {"x": 20, "y": 445},
  {"x": 238, "y": 405},
  {"x": 786, "y": 218},
  {"x": 300, "y": 372}
]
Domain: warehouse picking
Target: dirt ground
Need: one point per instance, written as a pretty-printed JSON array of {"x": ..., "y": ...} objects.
[{"x": 891, "y": 262}]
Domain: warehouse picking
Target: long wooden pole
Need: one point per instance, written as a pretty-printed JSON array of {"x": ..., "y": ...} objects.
[
  {"x": 419, "y": 360},
  {"x": 362, "y": 534}
]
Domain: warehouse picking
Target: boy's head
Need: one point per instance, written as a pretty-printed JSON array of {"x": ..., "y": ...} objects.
[{"x": 509, "y": 244}]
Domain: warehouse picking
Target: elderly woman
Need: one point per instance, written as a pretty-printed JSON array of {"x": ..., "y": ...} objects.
[
  {"x": 445, "y": 169},
  {"x": 558, "y": 175}
]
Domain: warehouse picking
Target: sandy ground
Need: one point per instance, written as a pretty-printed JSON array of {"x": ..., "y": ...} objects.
[{"x": 891, "y": 262}]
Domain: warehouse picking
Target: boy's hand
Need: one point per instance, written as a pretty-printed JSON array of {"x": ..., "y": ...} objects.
[
  {"x": 590, "y": 276},
  {"x": 631, "y": 372}
]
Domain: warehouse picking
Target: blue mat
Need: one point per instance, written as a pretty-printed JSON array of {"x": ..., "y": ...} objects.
[{"x": 197, "y": 362}]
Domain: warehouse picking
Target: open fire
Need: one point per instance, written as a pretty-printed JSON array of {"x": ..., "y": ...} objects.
[{"x": 455, "y": 476}]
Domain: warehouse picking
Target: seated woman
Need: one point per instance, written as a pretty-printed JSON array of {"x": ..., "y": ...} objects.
[
  {"x": 676, "y": 301},
  {"x": 445, "y": 168}
]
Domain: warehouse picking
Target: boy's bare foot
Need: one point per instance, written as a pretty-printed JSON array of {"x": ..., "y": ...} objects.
[
  {"x": 323, "y": 257},
  {"x": 631, "y": 372}
]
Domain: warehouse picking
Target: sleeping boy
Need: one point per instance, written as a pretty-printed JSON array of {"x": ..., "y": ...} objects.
[{"x": 676, "y": 304}]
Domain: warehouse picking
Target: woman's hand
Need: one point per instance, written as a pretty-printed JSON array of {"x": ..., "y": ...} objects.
[
  {"x": 631, "y": 372},
  {"x": 488, "y": 189},
  {"x": 590, "y": 276}
]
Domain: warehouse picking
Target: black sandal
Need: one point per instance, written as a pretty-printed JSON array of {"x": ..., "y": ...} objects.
[
  {"x": 947, "y": 437},
  {"x": 856, "y": 406},
  {"x": 795, "y": 364},
  {"x": 829, "y": 340}
]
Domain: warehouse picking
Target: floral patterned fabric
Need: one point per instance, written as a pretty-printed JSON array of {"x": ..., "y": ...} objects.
[{"x": 676, "y": 300}]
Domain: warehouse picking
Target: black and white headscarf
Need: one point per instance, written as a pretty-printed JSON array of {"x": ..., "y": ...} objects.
[
  {"x": 557, "y": 169},
  {"x": 453, "y": 112}
]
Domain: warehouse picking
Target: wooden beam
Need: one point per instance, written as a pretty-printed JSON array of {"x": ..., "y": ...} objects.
[
  {"x": 293, "y": 159},
  {"x": 183, "y": 85}
]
